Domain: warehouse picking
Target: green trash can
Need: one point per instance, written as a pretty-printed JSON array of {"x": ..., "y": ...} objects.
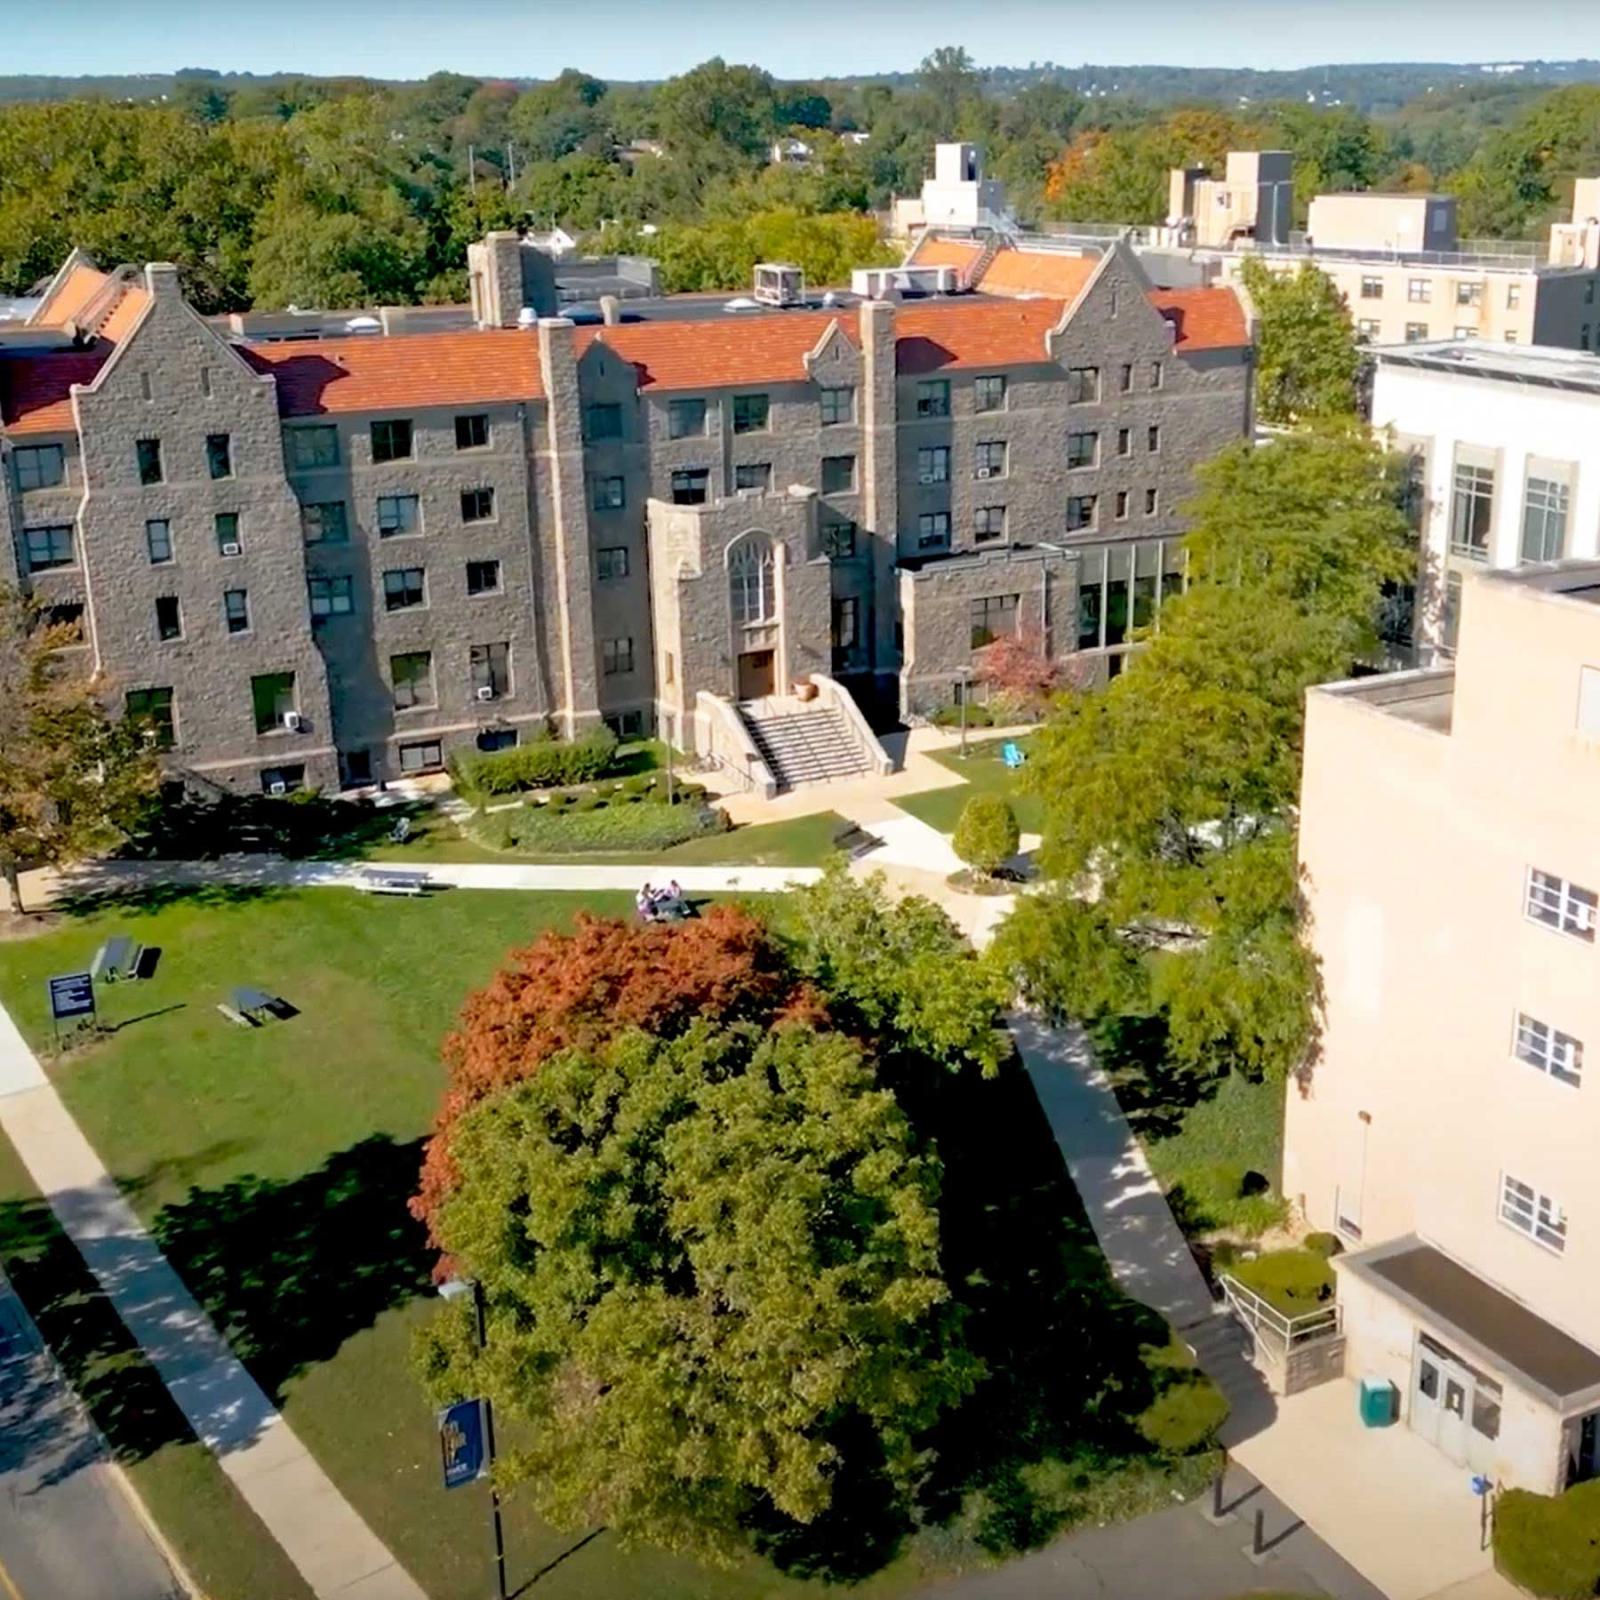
[{"x": 1378, "y": 1402}]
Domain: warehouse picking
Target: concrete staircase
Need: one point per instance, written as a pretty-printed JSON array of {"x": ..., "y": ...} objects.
[{"x": 803, "y": 743}]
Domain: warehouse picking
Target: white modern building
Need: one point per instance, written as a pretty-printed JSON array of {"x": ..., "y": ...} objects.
[{"x": 956, "y": 196}]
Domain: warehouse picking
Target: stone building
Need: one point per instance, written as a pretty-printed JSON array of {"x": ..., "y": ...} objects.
[{"x": 329, "y": 560}]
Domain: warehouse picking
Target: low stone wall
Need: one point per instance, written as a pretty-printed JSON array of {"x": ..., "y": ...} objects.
[{"x": 719, "y": 733}]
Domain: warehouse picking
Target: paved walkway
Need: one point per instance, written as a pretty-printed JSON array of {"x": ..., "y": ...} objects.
[{"x": 335, "y": 1551}]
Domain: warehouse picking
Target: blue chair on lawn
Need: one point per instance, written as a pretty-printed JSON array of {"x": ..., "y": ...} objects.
[{"x": 1012, "y": 754}]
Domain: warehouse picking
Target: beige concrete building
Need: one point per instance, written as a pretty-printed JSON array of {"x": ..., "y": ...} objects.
[{"x": 1448, "y": 1129}]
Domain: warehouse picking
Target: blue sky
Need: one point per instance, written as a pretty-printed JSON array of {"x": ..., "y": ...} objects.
[{"x": 655, "y": 38}]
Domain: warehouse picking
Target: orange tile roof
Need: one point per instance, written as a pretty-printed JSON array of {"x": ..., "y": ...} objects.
[
  {"x": 1016, "y": 272},
  {"x": 77, "y": 289},
  {"x": 120, "y": 323},
  {"x": 750, "y": 348},
  {"x": 36, "y": 391},
  {"x": 973, "y": 333},
  {"x": 1204, "y": 319},
  {"x": 936, "y": 252}
]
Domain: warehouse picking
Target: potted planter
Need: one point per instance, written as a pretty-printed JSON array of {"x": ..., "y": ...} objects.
[{"x": 804, "y": 689}]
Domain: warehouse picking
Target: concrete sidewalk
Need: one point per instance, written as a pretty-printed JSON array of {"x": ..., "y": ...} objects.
[{"x": 335, "y": 1551}]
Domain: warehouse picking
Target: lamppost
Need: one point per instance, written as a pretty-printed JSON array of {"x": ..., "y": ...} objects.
[
  {"x": 964, "y": 673},
  {"x": 455, "y": 1289}
]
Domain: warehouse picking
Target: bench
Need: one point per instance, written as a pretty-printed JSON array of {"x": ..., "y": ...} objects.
[
  {"x": 393, "y": 883},
  {"x": 117, "y": 958},
  {"x": 238, "y": 1018}
]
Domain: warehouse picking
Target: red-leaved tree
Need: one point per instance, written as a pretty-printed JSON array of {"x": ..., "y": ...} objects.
[
  {"x": 1017, "y": 666},
  {"x": 584, "y": 987}
]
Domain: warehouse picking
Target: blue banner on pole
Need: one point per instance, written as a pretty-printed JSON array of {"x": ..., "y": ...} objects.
[
  {"x": 71, "y": 996},
  {"x": 461, "y": 1442}
]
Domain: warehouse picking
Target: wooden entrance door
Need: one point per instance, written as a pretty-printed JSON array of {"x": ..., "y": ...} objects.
[{"x": 755, "y": 674}]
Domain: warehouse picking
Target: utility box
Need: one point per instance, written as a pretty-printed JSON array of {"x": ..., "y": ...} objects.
[{"x": 1379, "y": 1402}]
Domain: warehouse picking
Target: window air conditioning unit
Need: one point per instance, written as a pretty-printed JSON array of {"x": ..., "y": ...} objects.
[
  {"x": 486, "y": 691},
  {"x": 277, "y": 787},
  {"x": 233, "y": 548},
  {"x": 984, "y": 472},
  {"x": 292, "y": 721},
  {"x": 926, "y": 477}
]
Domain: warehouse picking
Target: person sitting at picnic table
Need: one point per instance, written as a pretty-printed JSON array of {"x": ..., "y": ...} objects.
[
  {"x": 661, "y": 905},
  {"x": 644, "y": 901}
]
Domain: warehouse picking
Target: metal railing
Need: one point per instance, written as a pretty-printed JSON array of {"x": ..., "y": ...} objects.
[{"x": 1278, "y": 1335}]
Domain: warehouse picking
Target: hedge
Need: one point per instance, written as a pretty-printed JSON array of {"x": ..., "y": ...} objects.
[
  {"x": 539, "y": 764},
  {"x": 633, "y": 827},
  {"x": 1550, "y": 1544},
  {"x": 950, "y": 716},
  {"x": 1293, "y": 1281},
  {"x": 1184, "y": 1417}
]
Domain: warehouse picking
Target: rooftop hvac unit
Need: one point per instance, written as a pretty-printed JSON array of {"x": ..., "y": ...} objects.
[
  {"x": 277, "y": 787},
  {"x": 292, "y": 720},
  {"x": 486, "y": 691},
  {"x": 232, "y": 548}
]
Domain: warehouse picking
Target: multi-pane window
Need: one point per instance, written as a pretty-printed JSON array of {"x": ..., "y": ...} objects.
[
  {"x": 753, "y": 476},
  {"x": 1469, "y": 294},
  {"x": 989, "y": 458},
  {"x": 477, "y": 505},
  {"x": 1537, "y": 1215},
  {"x": 147, "y": 455},
  {"x": 933, "y": 398},
  {"x": 933, "y": 464},
  {"x": 169, "y": 617},
  {"x": 272, "y": 700},
  {"x": 992, "y": 615},
  {"x": 483, "y": 577},
  {"x": 1513, "y": 296},
  {"x": 616, "y": 656},
  {"x": 423, "y": 756},
  {"x": 1471, "y": 511},
  {"x": 1089, "y": 603},
  {"x": 1080, "y": 512},
  {"x": 40, "y": 466},
  {"x": 1372, "y": 288},
  {"x": 472, "y": 431},
  {"x": 1450, "y": 613},
  {"x": 1551, "y": 1051},
  {"x": 1083, "y": 449},
  {"x": 403, "y": 588},
  {"x": 1472, "y": 333},
  {"x": 988, "y": 523},
  {"x": 611, "y": 561},
  {"x": 1368, "y": 328},
  {"x": 1545, "y": 504},
  {"x": 607, "y": 494},
  {"x": 153, "y": 707},
  {"x": 1419, "y": 291},
  {"x": 989, "y": 393},
  {"x": 48, "y": 547},
  {"x": 391, "y": 439},
  {"x": 750, "y": 413},
  {"x": 751, "y": 593},
  {"x": 158, "y": 541},
  {"x": 236, "y": 610},
  {"x": 1560, "y": 904},
  {"x": 686, "y": 419},
  {"x": 1416, "y": 332},
  {"x": 226, "y": 524},
  {"x": 1152, "y": 437},
  {"x": 1083, "y": 385},
  {"x": 331, "y": 597},
  {"x": 398, "y": 514},
  {"x": 689, "y": 486},
  {"x": 838, "y": 474},
  {"x": 219, "y": 455},
  {"x": 411, "y": 675},
  {"x": 325, "y": 523},
  {"x": 490, "y": 666},
  {"x": 846, "y": 628},
  {"x": 837, "y": 406},
  {"x": 933, "y": 530},
  {"x": 314, "y": 447},
  {"x": 839, "y": 540}
]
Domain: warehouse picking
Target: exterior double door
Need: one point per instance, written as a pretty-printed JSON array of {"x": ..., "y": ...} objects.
[
  {"x": 756, "y": 674},
  {"x": 1453, "y": 1405}
]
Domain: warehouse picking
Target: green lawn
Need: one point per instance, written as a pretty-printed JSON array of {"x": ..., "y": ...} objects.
[{"x": 985, "y": 773}]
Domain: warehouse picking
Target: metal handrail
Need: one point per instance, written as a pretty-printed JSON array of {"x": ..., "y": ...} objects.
[{"x": 1290, "y": 1332}]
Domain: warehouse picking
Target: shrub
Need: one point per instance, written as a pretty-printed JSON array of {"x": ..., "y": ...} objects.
[
  {"x": 1326, "y": 1245},
  {"x": 589, "y": 826},
  {"x": 1184, "y": 1417},
  {"x": 987, "y": 833},
  {"x": 535, "y": 765},
  {"x": 640, "y": 783},
  {"x": 950, "y": 716},
  {"x": 1294, "y": 1281},
  {"x": 1550, "y": 1544}
]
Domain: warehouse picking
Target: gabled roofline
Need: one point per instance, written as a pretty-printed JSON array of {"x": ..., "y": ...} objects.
[{"x": 76, "y": 257}]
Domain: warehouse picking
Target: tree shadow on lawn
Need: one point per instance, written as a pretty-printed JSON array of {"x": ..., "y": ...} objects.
[
  {"x": 1154, "y": 1091},
  {"x": 84, "y": 897}
]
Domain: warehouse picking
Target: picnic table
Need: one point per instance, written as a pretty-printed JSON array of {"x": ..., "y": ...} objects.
[
  {"x": 117, "y": 958},
  {"x": 250, "y": 1000}
]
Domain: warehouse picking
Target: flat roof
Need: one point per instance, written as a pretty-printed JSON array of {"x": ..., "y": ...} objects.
[
  {"x": 1505, "y": 1331},
  {"x": 1425, "y": 695},
  {"x": 1541, "y": 364}
]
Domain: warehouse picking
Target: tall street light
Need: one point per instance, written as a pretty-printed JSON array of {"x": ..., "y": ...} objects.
[
  {"x": 964, "y": 673},
  {"x": 456, "y": 1289}
]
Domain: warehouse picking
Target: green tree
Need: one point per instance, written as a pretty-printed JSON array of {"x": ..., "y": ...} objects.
[
  {"x": 707, "y": 1263},
  {"x": 717, "y": 116},
  {"x": 72, "y": 779},
  {"x": 1306, "y": 356},
  {"x": 949, "y": 76},
  {"x": 986, "y": 835}
]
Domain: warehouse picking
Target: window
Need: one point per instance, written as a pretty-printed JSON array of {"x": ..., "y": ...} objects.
[
  {"x": 227, "y": 531},
  {"x": 1122, "y": 504},
  {"x": 836, "y": 406},
  {"x": 1450, "y": 615},
  {"x": 1544, "y": 519},
  {"x": 1560, "y": 905},
  {"x": 992, "y": 615},
  {"x": 313, "y": 447},
  {"x": 472, "y": 432},
  {"x": 1469, "y": 294},
  {"x": 325, "y": 523},
  {"x": 1124, "y": 441},
  {"x": 753, "y": 475},
  {"x": 391, "y": 441},
  {"x": 477, "y": 505},
  {"x": 272, "y": 698},
  {"x": 219, "y": 455},
  {"x": 1537, "y": 1215},
  {"x": 838, "y": 474},
  {"x": 40, "y": 466},
  {"x": 1125, "y": 378},
  {"x": 846, "y": 629},
  {"x": 490, "y": 666},
  {"x": 1416, "y": 332},
  {"x": 148, "y": 455},
  {"x": 989, "y": 393},
  {"x": 933, "y": 398},
  {"x": 750, "y": 582},
  {"x": 607, "y": 494},
  {"x": 491, "y": 739},
  {"x": 1080, "y": 512},
  {"x": 153, "y": 707},
  {"x": 933, "y": 530},
  {"x": 1552, "y": 1052},
  {"x": 1419, "y": 291},
  {"x": 1156, "y": 376},
  {"x": 1089, "y": 617},
  {"x": 1466, "y": 333},
  {"x": 1513, "y": 296},
  {"x": 1368, "y": 328},
  {"x": 1083, "y": 385},
  {"x": 933, "y": 464},
  {"x": 483, "y": 577},
  {"x": 750, "y": 413},
  {"x": 839, "y": 540},
  {"x": 611, "y": 561},
  {"x": 48, "y": 547},
  {"x": 331, "y": 597},
  {"x": 1152, "y": 502},
  {"x": 1083, "y": 450},
  {"x": 1588, "y": 292},
  {"x": 398, "y": 514},
  {"x": 236, "y": 610},
  {"x": 686, "y": 419},
  {"x": 1152, "y": 438},
  {"x": 403, "y": 588},
  {"x": 616, "y": 656},
  {"x": 989, "y": 459},
  {"x": 169, "y": 619},
  {"x": 988, "y": 523},
  {"x": 1372, "y": 288},
  {"x": 1471, "y": 511},
  {"x": 158, "y": 541},
  {"x": 283, "y": 780},
  {"x": 689, "y": 486},
  {"x": 412, "y": 677},
  {"x": 423, "y": 756}
]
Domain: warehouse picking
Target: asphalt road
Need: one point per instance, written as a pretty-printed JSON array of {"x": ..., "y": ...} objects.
[{"x": 67, "y": 1531}]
